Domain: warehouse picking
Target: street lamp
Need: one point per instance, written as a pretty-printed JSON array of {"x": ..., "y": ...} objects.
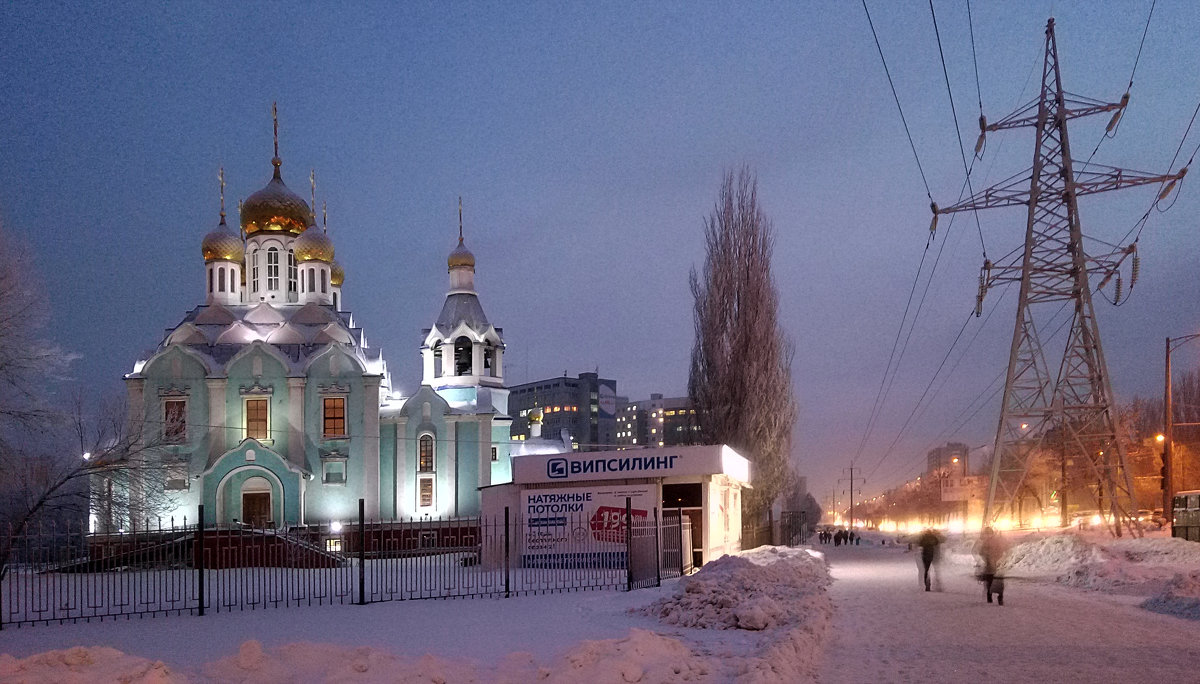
[{"x": 1168, "y": 485}]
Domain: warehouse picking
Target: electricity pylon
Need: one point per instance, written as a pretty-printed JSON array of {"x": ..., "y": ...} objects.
[{"x": 1068, "y": 414}]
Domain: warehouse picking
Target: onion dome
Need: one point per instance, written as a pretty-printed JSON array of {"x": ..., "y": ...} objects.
[
  {"x": 313, "y": 245},
  {"x": 222, "y": 245},
  {"x": 460, "y": 257},
  {"x": 275, "y": 208},
  {"x": 337, "y": 275}
]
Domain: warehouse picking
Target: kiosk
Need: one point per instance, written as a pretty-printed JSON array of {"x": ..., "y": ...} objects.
[{"x": 704, "y": 483}]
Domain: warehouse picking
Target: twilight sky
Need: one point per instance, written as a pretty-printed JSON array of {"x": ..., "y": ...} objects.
[{"x": 587, "y": 143}]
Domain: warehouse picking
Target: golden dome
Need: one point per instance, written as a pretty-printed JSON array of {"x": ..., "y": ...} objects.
[
  {"x": 222, "y": 245},
  {"x": 535, "y": 415},
  {"x": 313, "y": 245},
  {"x": 275, "y": 208},
  {"x": 337, "y": 275},
  {"x": 461, "y": 256}
]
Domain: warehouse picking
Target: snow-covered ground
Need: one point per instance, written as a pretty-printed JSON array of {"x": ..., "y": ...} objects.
[{"x": 1076, "y": 609}]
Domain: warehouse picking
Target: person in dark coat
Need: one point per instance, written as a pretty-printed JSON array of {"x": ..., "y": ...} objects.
[{"x": 929, "y": 542}]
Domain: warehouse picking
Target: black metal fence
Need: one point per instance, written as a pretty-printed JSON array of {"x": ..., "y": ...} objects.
[
  {"x": 67, "y": 574},
  {"x": 790, "y": 530}
]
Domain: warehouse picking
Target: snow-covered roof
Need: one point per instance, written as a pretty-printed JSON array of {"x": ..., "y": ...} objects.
[
  {"x": 462, "y": 307},
  {"x": 299, "y": 333}
]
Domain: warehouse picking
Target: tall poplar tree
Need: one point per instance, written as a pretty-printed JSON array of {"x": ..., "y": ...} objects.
[{"x": 740, "y": 381}]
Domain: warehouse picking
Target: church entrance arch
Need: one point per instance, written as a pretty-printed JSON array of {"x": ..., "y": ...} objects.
[
  {"x": 250, "y": 496},
  {"x": 256, "y": 503}
]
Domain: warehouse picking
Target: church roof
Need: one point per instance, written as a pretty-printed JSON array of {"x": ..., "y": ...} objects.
[
  {"x": 462, "y": 307},
  {"x": 217, "y": 333}
]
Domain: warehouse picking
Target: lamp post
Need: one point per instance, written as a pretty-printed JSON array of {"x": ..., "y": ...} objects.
[{"x": 1168, "y": 485}]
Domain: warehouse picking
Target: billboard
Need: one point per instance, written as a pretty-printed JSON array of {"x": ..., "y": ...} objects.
[{"x": 581, "y": 526}]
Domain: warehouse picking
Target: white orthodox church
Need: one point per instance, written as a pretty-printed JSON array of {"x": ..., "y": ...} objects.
[{"x": 267, "y": 406}]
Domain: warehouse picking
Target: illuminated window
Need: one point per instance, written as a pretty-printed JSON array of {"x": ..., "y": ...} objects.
[
  {"x": 174, "y": 421},
  {"x": 425, "y": 457},
  {"x": 495, "y": 454},
  {"x": 425, "y": 492},
  {"x": 256, "y": 418},
  {"x": 272, "y": 269},
  {"x": 334, "y": 416}
]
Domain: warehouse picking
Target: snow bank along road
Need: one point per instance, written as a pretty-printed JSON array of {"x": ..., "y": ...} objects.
[{"x": 886, "y": 628}]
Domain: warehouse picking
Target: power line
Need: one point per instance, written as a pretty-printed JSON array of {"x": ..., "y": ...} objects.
[
  {"x": 957, "y": 130},
  {"x": 896, "y": 97},
  {"x": 974, "y": 59}
]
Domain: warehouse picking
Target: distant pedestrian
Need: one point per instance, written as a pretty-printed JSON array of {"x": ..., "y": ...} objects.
[
  {"x": 929, "y": 542},
  {"x": 991, "y": 550}
]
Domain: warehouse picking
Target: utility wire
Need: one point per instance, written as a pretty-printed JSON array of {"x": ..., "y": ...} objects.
[
  {"x": 962, "y": 151},
  {"x": 1106, "y": 135},
  {"x": 974, "y": 59},
  {"x": 896, "y": 97}
]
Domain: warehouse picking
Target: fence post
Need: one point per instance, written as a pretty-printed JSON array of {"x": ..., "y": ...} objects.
[
  {"x": 506, "y": 585},
  {"x": 628, "y": 544},
  {"x": 362, "y": 553},
  {"x": 657, "y": 552},
  {"x": 681, "y": 564},
  {"x": 198, "y": 549}
]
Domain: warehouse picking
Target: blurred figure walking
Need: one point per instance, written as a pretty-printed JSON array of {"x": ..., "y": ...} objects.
[
  {"x": 929, "y": 542},
  {"x": 991, "y": 550}
]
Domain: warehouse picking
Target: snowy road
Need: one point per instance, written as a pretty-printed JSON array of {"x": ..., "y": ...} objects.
[{"x": 887, "y": 629}]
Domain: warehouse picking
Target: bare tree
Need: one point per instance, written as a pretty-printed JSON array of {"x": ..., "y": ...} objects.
[
  {"x": 100, "y": 465},
  {"x": 44, "y": 474},
  {"x": 27, "y": 361},
  {"x": 740, "y": 380}
]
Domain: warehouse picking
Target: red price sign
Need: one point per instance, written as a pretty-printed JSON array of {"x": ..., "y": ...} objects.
[{"x": 608, "y": 523}]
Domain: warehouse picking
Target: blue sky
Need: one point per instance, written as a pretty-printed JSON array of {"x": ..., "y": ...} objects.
[{"x": 587, "y": 142}]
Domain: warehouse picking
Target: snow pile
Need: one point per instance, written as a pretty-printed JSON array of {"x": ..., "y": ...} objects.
[
  {"x": 755, "y": 590},
  {"x": 777, "y": 592},
  {"x": 1149, "y": 566},
  {"x": 1181, "y": 596},
  {"x": 80, "y": 665},
  {"x": 643, "y": 656},
  {"x": 1060, "y": 553}
]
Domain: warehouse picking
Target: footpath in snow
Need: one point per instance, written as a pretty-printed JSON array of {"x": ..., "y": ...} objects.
[
  {"x": 1073, "y": 612},
  {"x": 1076, "y": 609}
]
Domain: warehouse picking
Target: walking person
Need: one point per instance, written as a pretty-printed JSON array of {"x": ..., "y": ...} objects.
[
  {"x": 929, "y": 542},
  {"x": 991, "y": 550}
]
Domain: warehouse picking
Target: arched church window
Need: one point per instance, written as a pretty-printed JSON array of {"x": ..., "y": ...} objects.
[
  {"x": 291, "y": 271},
  {"x": 489, "y": 360},
  {"x": 254, "y": 272},
  {"x": 425, "y": 455},
  {"x": 462, "y": 356},
  {"x": 272, "y": 269},
  {"x": 335, "y": 302},
  {"x": 312, "y": 279},
  {"x": 220, "y": 279},
  {"x": 324, "y": 281},
  {"x": 210, "y": 281}
]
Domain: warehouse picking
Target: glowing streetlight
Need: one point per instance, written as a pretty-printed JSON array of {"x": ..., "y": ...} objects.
[{"x": 335, "y": 527}]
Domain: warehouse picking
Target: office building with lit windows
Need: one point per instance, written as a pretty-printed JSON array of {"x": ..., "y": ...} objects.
[
  {"x": 267, "y": 406},
  {"x": 657, "y": 421},
  {"x": 585, "y": 406}
]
